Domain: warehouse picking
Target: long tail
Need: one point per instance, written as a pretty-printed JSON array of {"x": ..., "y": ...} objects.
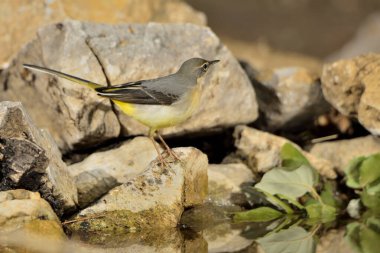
[{"x": 63, "y": 75}]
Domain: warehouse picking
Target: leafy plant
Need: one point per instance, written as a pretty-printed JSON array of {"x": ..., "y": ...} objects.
[
  {"x": 283, "y": 187},
  {"x": 364, "y": 236},
  {"x": 363, "y": 174}
]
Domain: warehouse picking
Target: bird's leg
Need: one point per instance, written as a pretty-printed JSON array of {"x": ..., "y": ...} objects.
[
  {"x": 151, "y": 137},
  {"x": 168, "y": 149}
]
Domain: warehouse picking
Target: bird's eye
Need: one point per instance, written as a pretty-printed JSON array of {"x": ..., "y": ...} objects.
[{"x": 205, "y": 66}]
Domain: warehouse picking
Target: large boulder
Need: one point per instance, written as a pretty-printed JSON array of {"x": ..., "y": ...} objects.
[
  {"x": 154, "y": 199},
  {"x": 341, "y": 152},
  {"x": 24, "y": 17},
  {"x": 30, "y": 159},
  {"x": 352, "y": 87},
  {"x": 77, "y": 117},
  {"x": 261, "y": 151}
]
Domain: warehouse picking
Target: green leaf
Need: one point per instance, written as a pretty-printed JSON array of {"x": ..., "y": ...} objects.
[
  {"x": 370, "y": 170},
  {"x": 260, "y": 214},
  {"x": 292, "y": 184},
  {"x": 328, "y": 196},
  {"x": 294, "y": 240},
  {"x": 353, "y": 173},
  {"x": 373, "y": 188},
  {"x": 292, "y": 158},
  {"x": 371, "y": 201},
  {"x": 320, "y": 211},
  {"x": 291, "y": 201},
  {"x": 364, "y": 237},
  {"x": 277, "y": 202}
]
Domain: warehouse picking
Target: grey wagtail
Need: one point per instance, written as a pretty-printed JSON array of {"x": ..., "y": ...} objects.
[{"x": 157, "y": 103}]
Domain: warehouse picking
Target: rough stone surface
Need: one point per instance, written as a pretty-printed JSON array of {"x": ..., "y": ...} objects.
[
  {"x": 261, "y": 151},
  {"x": 289, "y": 98},
  {"x": 77, "y": 117},
  {"x": 366, "y": 40},
  {"x": 21, "y": 19},
  {"x": 30, "y": 159},
  {"x": 22, "y": 209},
  {"x": 155, "y": 198},
  {"x": 225, "y": 180},
  {"x": 341, "y": 152},
  {"x": 352, "y": 87},
  {"x": 102, "y": 171}
]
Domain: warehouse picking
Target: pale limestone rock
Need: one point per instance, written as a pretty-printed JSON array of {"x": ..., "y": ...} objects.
[
  {"x": 341, "y": 152},
  {"x": 352, "y": 87},
  {"x": 261, "y": 151},
  {"x": 155, "y": 198},
  {"x": 23, "y": 18}
]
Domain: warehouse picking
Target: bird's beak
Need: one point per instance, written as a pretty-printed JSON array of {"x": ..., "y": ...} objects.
[{"x": 213, "y": 62}]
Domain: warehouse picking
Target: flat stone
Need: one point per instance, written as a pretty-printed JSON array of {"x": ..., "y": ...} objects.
[
  {"x": 352, "y": 87},
  {"x": 31, "y": 159},
  {"x": 340, "y": 153},
  {"x": 154, "y": 199},
  {"x": 224, "y": 180},
  {"x": 261, "y": 151},
  {"x": 102, "y": 171}
]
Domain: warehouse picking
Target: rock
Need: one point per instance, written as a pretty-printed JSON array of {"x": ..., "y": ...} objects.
[
  {"x": 25, "y": 17},
  {"x": 24, "y": 210},
  {"x": 366, "y": 40},
  {"x": 334, "y": 241},
  {"x": 102, "y": 171},
  {"x": 289, "y": 98},
  {"x": 115, "y": 54},
  {"x": 30, "y": 159},
  {"x": 340, "y": 153},
  {"x": 154, "y": 199},
  {"x": 352, "y": 87},
  {"x": 262, "y": 57},
  {"x": 224, "y": 180},
  {"x": 261, "y": 151}
]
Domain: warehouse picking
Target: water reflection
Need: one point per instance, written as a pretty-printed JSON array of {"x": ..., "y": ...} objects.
[{"x": 285, "y": 235}]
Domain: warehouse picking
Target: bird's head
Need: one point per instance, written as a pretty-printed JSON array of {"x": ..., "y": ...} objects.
[{"x": 196, "y": 67}]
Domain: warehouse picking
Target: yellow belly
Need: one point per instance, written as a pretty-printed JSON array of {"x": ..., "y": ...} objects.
[{"x": 161, "y": 116}]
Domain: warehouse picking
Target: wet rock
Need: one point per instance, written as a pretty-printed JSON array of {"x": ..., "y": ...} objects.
[
  {"x": 341, "y": 152},
  {"x": 25, "y": 17},
  {"x": 224, "y": 181},
  {"x": 154, "y": 199},
  {"x": 351, "y": 86},
  {"x": 366, "y": 40},
  {"x": 261, "y": 151},
  {"x": 24, "y": 210},
  {"x": 289, "y": 98},
  {"x": 102, "y": 171},
  {"x": 262, "y": 57},
  {"x": 77, "y": 117},
  {"x": 30, "y": 159}
]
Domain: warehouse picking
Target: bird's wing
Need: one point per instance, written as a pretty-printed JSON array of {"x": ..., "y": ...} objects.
[
  {"x": 63, "y": 75},
  {"x": 139, "y": 92}
]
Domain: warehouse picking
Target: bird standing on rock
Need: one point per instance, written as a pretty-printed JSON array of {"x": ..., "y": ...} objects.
[{"x": 157, "y": 103}]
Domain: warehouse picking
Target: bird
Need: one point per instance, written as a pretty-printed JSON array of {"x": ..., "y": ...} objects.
[{"x": 156, "y": 103}]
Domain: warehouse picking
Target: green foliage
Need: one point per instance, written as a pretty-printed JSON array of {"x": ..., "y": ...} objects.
[
  {"x": 292, "y": 184},
  {"x": 363, "y": 173},
  {"x": 364, "y": 236},
  {"x": 282, "y": 187},
  {"x": 295, "y": 239},
  {"x": 260, "y": 214}
]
